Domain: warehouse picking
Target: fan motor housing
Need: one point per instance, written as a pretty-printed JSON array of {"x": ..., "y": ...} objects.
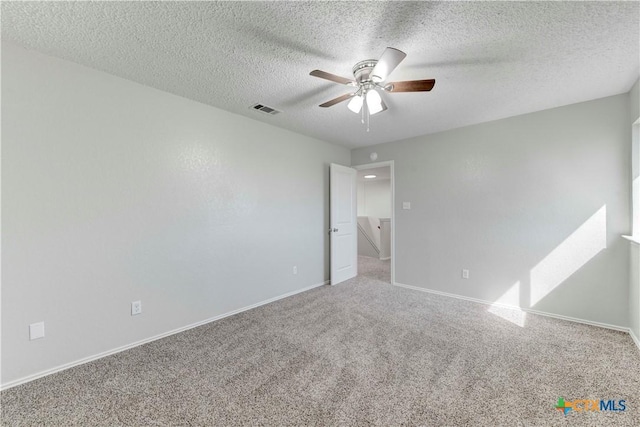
[{"x": 362, "y": 70}]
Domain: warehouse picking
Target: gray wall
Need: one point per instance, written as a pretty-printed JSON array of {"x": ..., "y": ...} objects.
[
  {"x": 634, "y": 284},
  {"x": 115, "y": 192},
  {"x": 634, "y": 101},
  {"x": 634, "y": 291},
  {"x": 374, "y": 198},
  {"x": 527, "y": 204}
]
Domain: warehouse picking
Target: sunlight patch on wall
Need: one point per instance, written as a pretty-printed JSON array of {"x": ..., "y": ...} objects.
[
  {"x": 568, "y": 257},
  {"x": 636, "y": 207},
  {"x": 506, "y": 307}
]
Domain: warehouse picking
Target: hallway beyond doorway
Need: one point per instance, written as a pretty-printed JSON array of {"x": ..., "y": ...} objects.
[{"x": 374, "y": 268}]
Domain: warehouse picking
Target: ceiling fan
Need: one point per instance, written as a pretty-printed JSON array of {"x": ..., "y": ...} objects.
[{"x": 369, "y": 77}]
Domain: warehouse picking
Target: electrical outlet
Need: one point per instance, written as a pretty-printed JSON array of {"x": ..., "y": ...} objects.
[
  {"x": 136, "y": 307},
  {"x": 36, "y": 330},
  {"x": 465, "y": 274},
  {"x": 295, "y": 269}
]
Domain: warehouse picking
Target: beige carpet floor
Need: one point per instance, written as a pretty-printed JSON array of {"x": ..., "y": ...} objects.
[
  {"x": 359, "y": 353},
  {"x": 375, "y": 269}
]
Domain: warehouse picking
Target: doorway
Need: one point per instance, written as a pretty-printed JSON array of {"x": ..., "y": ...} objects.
[{"x": 375, "y": 221}]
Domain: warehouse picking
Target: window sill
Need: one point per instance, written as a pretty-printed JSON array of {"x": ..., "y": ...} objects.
[{"x": 633, "y": 239}]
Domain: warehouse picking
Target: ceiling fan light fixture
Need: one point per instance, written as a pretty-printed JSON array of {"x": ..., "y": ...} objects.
[
  {"x": 355, "y": 104},
  {"x": 374, "y": 102},
  {"x": 369, "y": 76}
]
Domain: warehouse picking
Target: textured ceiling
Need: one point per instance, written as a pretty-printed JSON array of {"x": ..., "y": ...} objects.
[{"x": 490, "y": 59}]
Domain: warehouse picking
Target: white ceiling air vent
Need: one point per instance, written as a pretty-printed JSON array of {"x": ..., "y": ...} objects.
[{"x": 267, "y": 110}]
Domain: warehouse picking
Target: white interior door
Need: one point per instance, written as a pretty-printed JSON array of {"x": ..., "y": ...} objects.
[{"x": 344, "y": 225}]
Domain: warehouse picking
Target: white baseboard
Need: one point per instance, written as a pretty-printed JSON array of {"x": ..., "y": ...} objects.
[
  {"x": 634, "y": 338},
  {"x": 84, "y": 360},
  {"x": 513, "y": 307}
]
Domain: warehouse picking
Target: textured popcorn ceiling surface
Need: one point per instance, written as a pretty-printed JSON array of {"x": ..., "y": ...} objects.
[{"x": 490, "y": 59}]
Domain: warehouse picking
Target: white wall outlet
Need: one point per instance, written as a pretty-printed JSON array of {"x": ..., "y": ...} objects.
[
  {"x": 406, "y": 205},
  {"x": 295, "y": 269},
  {"x": 465, "y": 274},
  {"x": 136, "y": 307},
  {"x": 36, "y": 330}
]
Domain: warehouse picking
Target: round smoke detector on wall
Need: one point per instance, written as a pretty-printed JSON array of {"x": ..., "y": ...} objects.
[{"x": 373, "y": 156}]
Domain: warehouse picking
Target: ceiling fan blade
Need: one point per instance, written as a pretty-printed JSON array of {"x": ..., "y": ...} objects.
[
  {"x": 337, "y": 100},
  {"x": 332, "y": 77},
  {"x": 411, "y": 86},
  {"x": 386, "y": 64}
]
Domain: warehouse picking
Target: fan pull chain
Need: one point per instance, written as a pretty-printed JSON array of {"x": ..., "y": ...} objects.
[{"x": 368, "y": 118}]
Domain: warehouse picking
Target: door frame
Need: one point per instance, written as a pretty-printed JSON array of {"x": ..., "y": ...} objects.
[{"x": 389, "y": 163}]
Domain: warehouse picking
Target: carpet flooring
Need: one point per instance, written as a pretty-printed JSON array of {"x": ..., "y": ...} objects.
[
  {"x": 359, "y": 353},
  {"x": 375, "y": 269}
]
